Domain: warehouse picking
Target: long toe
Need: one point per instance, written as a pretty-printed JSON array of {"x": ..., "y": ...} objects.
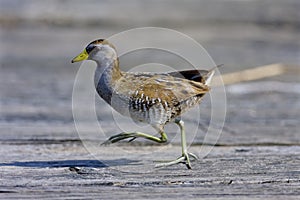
[
  {"x": 187, "y": 160},
  {"x": 119, "y": 137},
  {"x": 184, "y": 159},
  {"x": 193, "y": 156},
  {"x": 132, "y": 136},
  {"x": 188, "y": 164}
]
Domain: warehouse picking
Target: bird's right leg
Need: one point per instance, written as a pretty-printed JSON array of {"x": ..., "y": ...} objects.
[{"x": 185, "y": 157}]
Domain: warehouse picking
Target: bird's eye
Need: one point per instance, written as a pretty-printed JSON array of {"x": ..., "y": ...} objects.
[{"x": 89, "y": 48}]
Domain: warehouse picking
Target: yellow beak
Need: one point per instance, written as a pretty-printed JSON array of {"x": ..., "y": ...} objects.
[{"x": 82, "y": 56}]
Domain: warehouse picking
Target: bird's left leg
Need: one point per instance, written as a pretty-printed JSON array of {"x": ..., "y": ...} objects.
[
  {"x": 184, "y": 158},
  {"x": 133, "y": 135}
]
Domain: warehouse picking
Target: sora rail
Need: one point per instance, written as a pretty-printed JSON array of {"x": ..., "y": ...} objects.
[{"x": 153, "y": 98}]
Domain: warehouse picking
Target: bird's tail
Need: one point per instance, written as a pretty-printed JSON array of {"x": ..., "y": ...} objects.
[{"x": 210, "y": 74}]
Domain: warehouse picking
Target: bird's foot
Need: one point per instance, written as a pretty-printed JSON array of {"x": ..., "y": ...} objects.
[
  {"x": 185, "y": 159},
  {"x": 132, "y": 136}
]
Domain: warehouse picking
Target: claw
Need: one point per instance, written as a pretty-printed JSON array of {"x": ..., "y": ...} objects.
[{"x": 132, "y": 139}]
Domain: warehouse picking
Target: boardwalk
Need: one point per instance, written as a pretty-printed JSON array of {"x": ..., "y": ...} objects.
[{"x": 42, "y": 156}]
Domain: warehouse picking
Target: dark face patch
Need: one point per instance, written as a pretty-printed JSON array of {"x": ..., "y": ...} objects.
[
  {"x": 92, "y": 45},
  {"x": 90, "y": 48}
]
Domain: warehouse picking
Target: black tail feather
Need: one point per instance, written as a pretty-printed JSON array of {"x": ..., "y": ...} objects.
[{"x": 194, "y": 75}]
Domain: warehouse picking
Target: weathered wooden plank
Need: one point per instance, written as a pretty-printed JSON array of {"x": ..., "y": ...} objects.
[
  {"x": 42, "y": 156},
  {"x": 67, "y": 170}
]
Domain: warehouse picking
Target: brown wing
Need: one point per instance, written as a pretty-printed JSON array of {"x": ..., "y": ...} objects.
[{"x": 166, "y": 88}]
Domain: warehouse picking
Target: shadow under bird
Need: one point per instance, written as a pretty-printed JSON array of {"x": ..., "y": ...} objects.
[{"x": 153, "y": 98}]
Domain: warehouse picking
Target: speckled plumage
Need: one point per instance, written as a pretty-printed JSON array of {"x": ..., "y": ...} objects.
[{"x": 157, "y": 98}]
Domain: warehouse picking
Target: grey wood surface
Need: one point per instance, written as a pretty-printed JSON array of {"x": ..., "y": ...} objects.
[{"x": 43, "y": 157}]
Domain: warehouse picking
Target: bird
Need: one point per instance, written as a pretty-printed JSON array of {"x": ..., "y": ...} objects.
[{"x": 152, "y": 98}]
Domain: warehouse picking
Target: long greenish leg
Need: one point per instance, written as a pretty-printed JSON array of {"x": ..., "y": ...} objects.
[
  {"x": 134, "y": 135},
  {"x": 184, "y": 158}
]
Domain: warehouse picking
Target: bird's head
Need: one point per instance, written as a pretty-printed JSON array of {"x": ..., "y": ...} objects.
[{"x": 97, "y": 50}]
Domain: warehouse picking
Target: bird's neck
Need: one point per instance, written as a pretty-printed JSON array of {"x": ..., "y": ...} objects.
[{"x": 106, "y": 76}]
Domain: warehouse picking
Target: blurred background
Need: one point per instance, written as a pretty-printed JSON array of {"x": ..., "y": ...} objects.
[{"x": 39, "y": 38}]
